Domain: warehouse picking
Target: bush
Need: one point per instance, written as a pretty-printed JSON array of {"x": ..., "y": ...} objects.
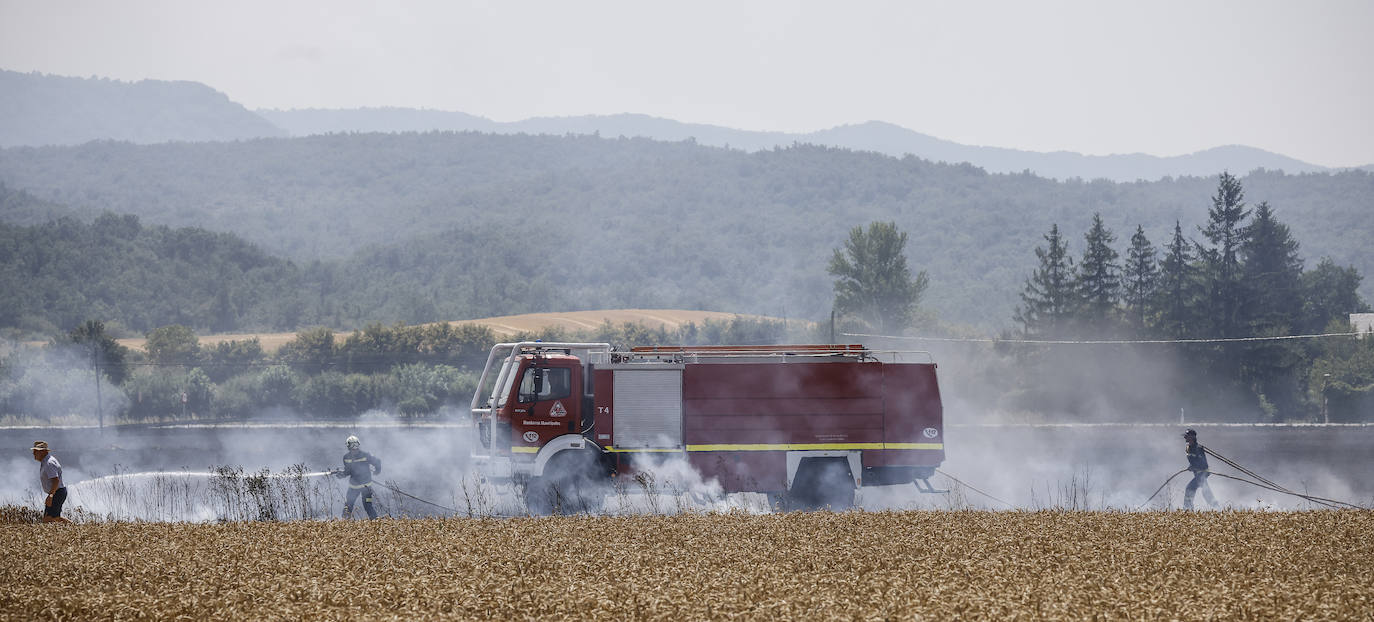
[
  {"x": 157, "y": 392},
  {"x": 335, "y": 394},
  {"x": 420, "y": 389},
  {"x": 227, "y": 359},
  {"x": 276, "y": 386},
  {"x": 235, "y": 398}
]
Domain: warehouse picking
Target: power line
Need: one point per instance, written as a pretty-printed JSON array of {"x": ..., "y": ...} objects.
[{"x": 1099, "y": 341}]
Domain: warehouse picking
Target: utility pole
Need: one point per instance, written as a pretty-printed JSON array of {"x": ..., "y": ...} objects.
[
  {"x": 1326, "y": 416},
  {"x": 95, "y": 366}
]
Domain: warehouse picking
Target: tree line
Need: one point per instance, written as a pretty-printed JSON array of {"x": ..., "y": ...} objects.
[
  {"x": 1229, "y": 301},
  {"x": 408, "y": 370},
  {"x": 1200, "y": 325}
]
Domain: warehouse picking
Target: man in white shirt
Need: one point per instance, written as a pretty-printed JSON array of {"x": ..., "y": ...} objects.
[{"x": 50, "y": 482}]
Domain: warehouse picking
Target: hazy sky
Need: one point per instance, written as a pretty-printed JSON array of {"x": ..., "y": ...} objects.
[{"x": 1098, "y": 77}]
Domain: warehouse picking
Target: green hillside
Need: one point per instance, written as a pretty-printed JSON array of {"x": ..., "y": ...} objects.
[
  {"x": 477, "y": 224},
  {"x": 115, "y": 269}
]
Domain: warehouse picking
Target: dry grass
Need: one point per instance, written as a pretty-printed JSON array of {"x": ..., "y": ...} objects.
[
  {"x": 586, "y": 320},
  {"x": 270, "y": 341},
  {"x": 909, "y": 565},
  {"x": 507, "y": 325}
]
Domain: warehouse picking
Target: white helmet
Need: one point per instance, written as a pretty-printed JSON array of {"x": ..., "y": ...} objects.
[{"x": 352, "y": 442}]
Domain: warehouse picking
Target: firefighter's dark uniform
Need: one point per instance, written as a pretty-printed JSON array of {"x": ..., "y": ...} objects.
[
  {"x": 1197, "y": 463},
  {"x": 359, "y": 466}
]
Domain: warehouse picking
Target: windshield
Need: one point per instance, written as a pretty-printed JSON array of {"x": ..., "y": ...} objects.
[
  {"x": 500, "y": 393},
  {"x": 554, "y": 383}
]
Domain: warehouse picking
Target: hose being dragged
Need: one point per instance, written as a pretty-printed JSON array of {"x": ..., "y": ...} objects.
[
  {"x": 1253, "y": 475},
  {"x": 965, "y": 485},
  {"x": 403, "y": 493},
  {"x": 1267, "y": 484},
  {"x": 1257, "y": 480},
  {"x": 1331, "y": 503},
  {"x": 1161, "y": 487}
]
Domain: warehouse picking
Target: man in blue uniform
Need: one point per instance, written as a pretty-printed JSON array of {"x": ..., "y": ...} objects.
[
  {"x": 1197, "y": 463},
  {"x": 358, "y": 467}
]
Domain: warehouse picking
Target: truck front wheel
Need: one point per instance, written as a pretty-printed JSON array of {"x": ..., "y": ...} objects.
[{"x": 574, "y": 482}]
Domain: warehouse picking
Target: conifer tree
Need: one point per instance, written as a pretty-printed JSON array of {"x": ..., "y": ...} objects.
[
  {"x": 1222, "y": 277},
  {"x": 1272, "y": 274},
  {"x": 1050, "y": 298},
  {"x": 1099, "y": 277},
  {"x": 1138, "y": 280},
  {"x": 1176, "y": 297}
]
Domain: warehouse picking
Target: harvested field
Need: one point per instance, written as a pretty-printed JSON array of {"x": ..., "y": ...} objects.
[
  {"x": 507, "y": 325},
  {"x": 574, "y": 321},
  {"x": 908, "y": 565}
]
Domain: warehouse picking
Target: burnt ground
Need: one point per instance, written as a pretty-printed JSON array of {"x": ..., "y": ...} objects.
[{"x": 1029, "y": 466}]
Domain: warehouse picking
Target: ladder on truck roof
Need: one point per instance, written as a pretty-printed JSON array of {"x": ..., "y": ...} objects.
[
  {"x": 788, "y": 349},
  {"x": 741, "y": 353}
]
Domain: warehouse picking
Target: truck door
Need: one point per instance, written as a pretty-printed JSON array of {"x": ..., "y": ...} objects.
[{"x": 546, "y": 406}]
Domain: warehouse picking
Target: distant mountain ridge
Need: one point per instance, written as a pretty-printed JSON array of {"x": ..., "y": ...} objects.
[
  {"x": 876, "y": 136},
  {"x": 39, "y": 109}
]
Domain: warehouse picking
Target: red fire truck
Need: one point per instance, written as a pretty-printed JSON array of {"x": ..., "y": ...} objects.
[{"x": 807, "y": 424}]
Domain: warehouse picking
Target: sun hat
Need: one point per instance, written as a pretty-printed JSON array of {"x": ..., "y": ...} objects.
[{"x": 40, "y": 446}]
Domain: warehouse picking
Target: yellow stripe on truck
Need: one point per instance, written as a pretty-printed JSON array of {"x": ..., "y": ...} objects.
[
  {"x": 524, "y": 450},
  {"x": 644, "y": 450},
  {"x": 789, "y": 447}
]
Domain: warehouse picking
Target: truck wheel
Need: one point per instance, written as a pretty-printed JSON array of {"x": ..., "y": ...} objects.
[
  {"x": 574, "y": 482},
  {"x": 822, "y": 485}
]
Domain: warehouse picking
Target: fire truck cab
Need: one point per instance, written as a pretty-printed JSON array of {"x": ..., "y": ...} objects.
[{"x": 806, "y": 424}]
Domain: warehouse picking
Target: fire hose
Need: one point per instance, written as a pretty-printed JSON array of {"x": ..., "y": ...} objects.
[
  {"x": 965, "y": 485},
  {"x": 403, "y": 493},
  {"x": 1261, "y": 483},
  {"x": 1161, "y": 487},
  {"x": 392, "y": 487}
]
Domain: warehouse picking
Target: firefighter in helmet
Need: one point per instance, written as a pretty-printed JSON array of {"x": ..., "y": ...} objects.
[
  {"x": 1197, "y": 463},
  {"x": 358, "y": 467}
]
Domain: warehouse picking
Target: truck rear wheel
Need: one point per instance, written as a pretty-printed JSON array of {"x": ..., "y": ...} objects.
[
  {"x": 822, "y": 484},
  {"x": 574, "y": 482}
]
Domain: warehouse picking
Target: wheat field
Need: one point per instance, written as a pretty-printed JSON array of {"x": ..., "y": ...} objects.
[
  {"x": 508, "y": 325},
  {"x": 887, "y": 565}
]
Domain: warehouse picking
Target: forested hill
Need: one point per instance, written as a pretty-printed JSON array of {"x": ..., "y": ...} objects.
[
  {"x": 877, "y": 136},
  {"x": 21, "y": 208},
  {"x": 556, "y": 223},
  {"x": 39, "y": 109},
  {"x": 60, "y": 273}
]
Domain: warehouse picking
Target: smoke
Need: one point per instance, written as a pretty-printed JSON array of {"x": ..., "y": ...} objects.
[
  {"x": 58, "y": 384},
  {"x": 998, "y": 457},
  {"x": 1099, "y": 427},
  {"x": 168, "y": 472},
  {"x": 669, "y": 484},
  {"x": 152, "y": 471}
]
